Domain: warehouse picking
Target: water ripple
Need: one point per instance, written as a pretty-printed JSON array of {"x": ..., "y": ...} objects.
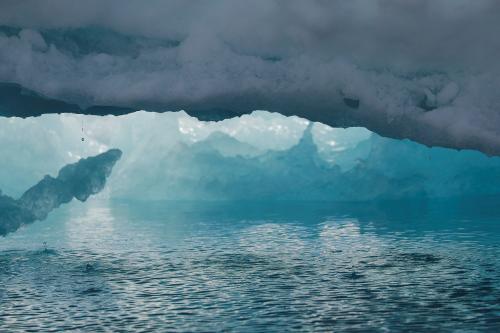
[{"x": 341, "y": 274}]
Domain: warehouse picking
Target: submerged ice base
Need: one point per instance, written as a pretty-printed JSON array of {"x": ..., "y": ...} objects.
[{"x": 263, "y": 156}]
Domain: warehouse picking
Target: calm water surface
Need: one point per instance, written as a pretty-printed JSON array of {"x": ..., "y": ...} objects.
[{"x": 250, "y": 267}]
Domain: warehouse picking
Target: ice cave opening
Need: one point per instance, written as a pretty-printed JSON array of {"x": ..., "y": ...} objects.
[{"x": 260, "y": 156}]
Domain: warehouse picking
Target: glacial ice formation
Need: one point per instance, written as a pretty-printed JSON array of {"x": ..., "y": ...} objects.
[
  {"x": 262, "y": 156},
  {"x": 79, "y": 180},
  {"x": 403, "y": 69}
]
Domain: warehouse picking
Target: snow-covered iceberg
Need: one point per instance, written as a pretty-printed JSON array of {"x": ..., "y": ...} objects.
[{"x": 79, "y": 180}]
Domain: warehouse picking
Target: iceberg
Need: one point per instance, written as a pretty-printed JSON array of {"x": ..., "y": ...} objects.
[
  {"x": 259, "y": 157},
  {"x": 374, "y": 169}
]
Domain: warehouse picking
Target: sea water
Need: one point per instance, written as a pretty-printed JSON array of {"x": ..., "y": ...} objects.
[{"x": 255, "y": 267}]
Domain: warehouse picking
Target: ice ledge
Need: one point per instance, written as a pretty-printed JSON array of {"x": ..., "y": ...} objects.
[{"x": 442, "y": 125}]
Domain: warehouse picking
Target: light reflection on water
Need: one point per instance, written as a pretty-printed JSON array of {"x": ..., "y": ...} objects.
[{"x": 255, "y": 267}]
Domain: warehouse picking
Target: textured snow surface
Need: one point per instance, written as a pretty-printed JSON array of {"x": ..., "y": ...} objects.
[{"x": 426, "y": 70}]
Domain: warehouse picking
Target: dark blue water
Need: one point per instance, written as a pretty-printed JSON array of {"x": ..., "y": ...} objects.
[{"x": 251, "y": 267}]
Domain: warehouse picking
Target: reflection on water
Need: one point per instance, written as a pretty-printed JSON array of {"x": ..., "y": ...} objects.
[{"x": 255, "y": 267}]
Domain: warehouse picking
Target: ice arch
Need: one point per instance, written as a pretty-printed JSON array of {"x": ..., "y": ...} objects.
[{"x": 424, "y": 70}]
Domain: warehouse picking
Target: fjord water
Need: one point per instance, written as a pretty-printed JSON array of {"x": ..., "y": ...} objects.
[{"x": 172, "y": 266}]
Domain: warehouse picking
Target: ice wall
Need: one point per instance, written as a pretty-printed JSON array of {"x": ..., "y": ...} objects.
[
  {"x": 79, "y": 180},
  {"x": 262, "y": 156}
]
